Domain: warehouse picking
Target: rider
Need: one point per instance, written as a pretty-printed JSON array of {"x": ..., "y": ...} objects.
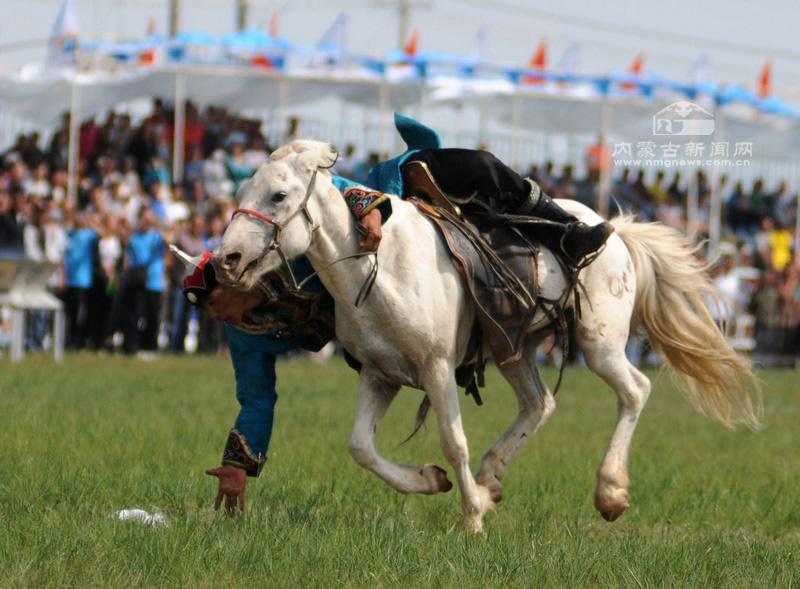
[{"x": 261, "y": 323}]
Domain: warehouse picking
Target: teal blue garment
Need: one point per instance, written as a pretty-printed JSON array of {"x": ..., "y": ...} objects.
[
  {"x": 386, "y": 176},
  {"x": 343, "y": 184}
]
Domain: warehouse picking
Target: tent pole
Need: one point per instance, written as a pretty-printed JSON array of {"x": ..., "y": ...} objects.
[
  {"x": 343, "y": 128},
  {"x": 178, "y": 145},
  {"x": 282, "y": 99},
  {"x": 692, "y": 197},
  {"x": 458, "y": 127},
  {"x": 423, "y": 100},
  {"x": 384, "y": 113},
  {"x": 797, "y": 215},
  {"x": 604, "y": 182},
  {"x": 516, "y": 123},
  {"x": 483, "y": 132},
  {"x": 365, "y": 131},
  {"x": 715, "y": 211},
  {"x": 73, "y": 145}
]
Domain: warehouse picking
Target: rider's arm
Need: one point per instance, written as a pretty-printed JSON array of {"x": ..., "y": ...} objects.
[
  {"x": 253, "y": 358},
  {"x": 248, "y": 441},
  {"x": 363, "y": 200},
  {"x": 249, "y": 438}
]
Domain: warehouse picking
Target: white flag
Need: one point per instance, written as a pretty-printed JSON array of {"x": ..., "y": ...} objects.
[
  {"x": 336, "y": 35},
  {"x": 569, "y": 61},
  {"x": 65, "y": 31},
  {"x": 699, "y": 71}
]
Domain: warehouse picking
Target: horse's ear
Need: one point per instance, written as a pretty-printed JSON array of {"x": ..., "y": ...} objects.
[
  {"x": 321, "y": 156},
  {"x": 331, "y": 155}
]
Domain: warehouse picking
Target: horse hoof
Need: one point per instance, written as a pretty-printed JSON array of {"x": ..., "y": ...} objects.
[
  {"x": 610, "y": 516},
  {"x": 611, "y": 511},
  {"x": 441, "y": 480},
  {"x": 492, "y": 492},
  {"x": 611, "y": 501}
]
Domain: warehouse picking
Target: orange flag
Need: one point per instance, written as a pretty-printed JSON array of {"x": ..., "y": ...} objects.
[
  {"x": 147, "y": 57},
  {"x": 410, "y": 48},
  {"x": 765, "y": 81},
  {"x": 538, "y": 62},
  {"x": 635, "y": 70},
  {"x": 261, "y": 61}
]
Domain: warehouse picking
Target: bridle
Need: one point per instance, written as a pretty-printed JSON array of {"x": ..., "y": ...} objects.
[{"x": 275, "y": 245}]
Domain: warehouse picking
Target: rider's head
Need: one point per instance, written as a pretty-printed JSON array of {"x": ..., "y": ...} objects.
[{"x": 200, "y": 282}]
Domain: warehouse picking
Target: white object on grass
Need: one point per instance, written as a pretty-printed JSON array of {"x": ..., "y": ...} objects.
[{"x": 152, "y": 519}]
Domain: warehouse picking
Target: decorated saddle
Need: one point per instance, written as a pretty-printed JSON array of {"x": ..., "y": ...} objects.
[
  {"x": 498, "y": 262},
  {"x": 499, "y": 268}
]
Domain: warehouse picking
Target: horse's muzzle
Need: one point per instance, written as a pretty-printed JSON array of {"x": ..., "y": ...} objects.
[
  {"x": 231, "y": 261},
  {"x": 227, "y": 267}
]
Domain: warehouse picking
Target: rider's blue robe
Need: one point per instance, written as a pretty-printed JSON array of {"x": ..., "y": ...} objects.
[{"x": 288, "y": 321}]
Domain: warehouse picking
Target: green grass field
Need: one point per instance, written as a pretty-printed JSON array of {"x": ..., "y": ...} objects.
[{"x": 81, "y": 440}]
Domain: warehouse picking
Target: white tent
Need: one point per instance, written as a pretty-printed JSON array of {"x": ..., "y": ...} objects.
[
  {"x": 42, "y": 97},
  {"x": 554, "y": 106}
]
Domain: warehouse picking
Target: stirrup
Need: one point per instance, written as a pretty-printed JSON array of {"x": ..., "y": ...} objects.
[{"x": 530, "y": 203}]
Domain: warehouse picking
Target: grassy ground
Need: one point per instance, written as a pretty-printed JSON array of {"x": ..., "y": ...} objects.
[{"x": 81, "y": 440}]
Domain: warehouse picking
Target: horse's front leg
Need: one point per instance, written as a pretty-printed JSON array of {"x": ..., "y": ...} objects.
[
  {"x": 374, "y": 398},
  {"x": 440, "y": 385}
]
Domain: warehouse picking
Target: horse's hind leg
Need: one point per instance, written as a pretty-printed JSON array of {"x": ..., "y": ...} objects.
[
  {"x": 604, "y": 349},
  {"x": 374, "y": 398},
  {"x": 536, "y": 403}
]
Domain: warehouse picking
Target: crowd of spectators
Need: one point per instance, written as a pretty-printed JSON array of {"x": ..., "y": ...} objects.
[{"x": 122, "y": 290}]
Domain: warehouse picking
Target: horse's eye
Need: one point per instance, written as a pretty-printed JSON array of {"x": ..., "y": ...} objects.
[{"x": 278, "y": 196}]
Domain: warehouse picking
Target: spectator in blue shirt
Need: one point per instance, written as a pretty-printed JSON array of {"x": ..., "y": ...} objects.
[
  {"x": 79, "y": 260},
  {"x": 143, "y": 284}
]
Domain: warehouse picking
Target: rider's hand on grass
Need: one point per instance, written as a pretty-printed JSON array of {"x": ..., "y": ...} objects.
[
  {"x": 370, "y": 240},
  {"x": 232, "y": 482}
]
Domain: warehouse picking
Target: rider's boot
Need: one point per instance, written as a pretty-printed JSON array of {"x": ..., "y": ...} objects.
[{"x": 574, "y": 238}]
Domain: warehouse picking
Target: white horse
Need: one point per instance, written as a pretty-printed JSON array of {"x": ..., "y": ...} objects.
[{"x": 414, "y": 327}]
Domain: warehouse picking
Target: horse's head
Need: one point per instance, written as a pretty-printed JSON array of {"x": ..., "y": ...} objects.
[{"x": 275, "y": 216}]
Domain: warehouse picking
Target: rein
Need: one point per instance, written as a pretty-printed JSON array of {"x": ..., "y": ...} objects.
[
  {"x": 365, "y": 289},
  {"x": 275, "y": 245}
]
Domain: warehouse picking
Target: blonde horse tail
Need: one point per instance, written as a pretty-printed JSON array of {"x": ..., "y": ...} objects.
[{"x": 673, "y": 290}]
